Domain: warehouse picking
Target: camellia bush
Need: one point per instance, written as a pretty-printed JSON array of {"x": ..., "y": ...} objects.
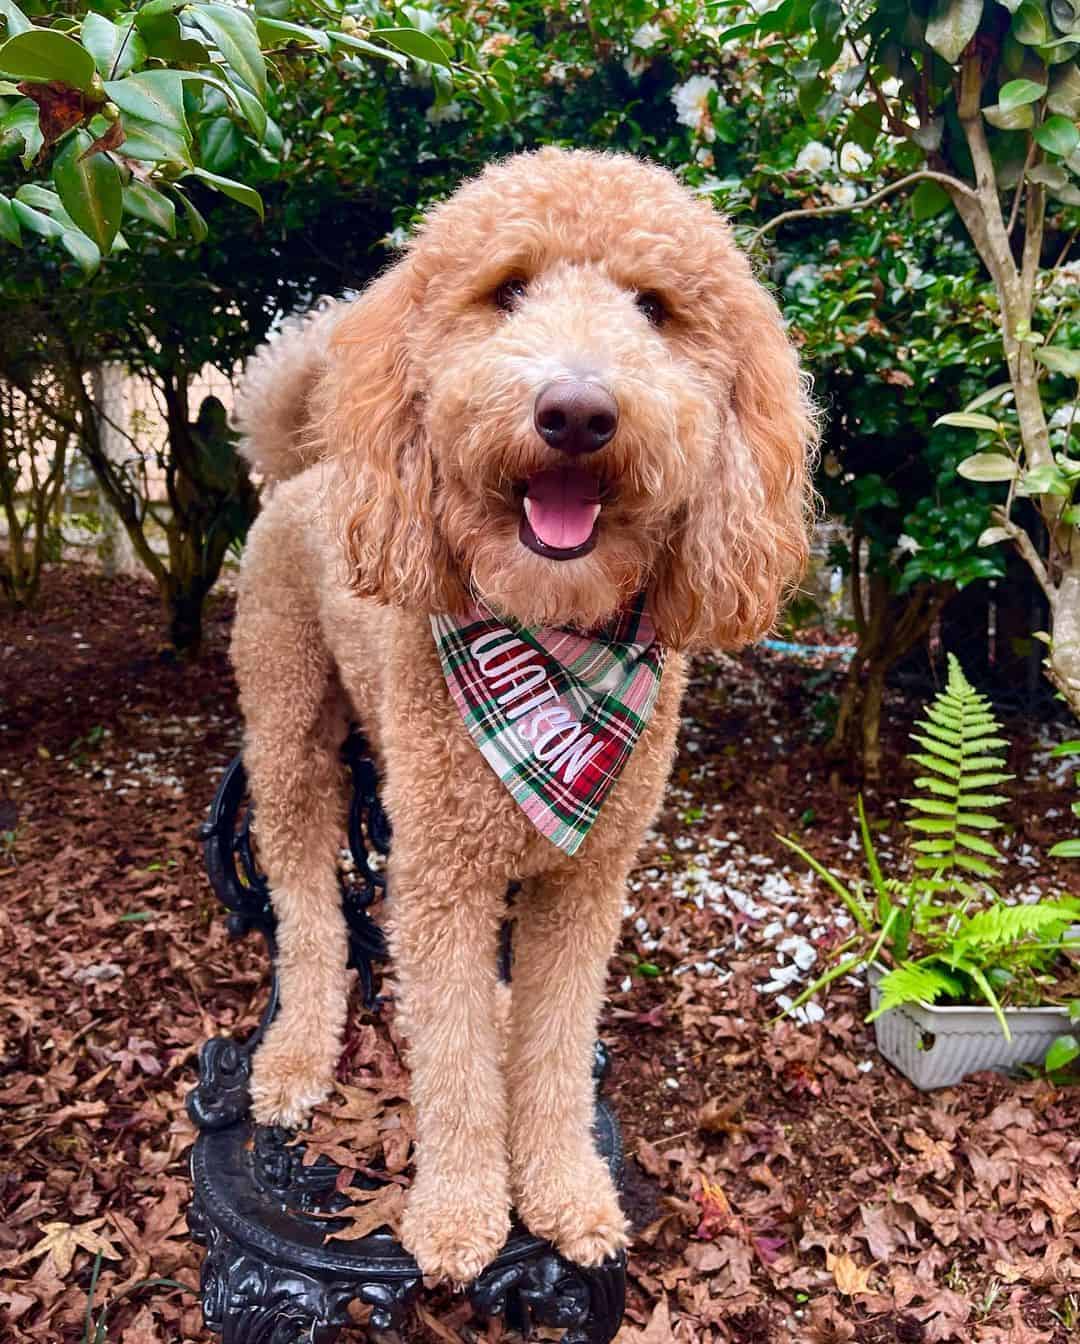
[
  {"x": 890, "y": 317},
  {"x": 127, "y": 108},
  {"x": 175, "y": 224},
  {"x": 973, "y": 106}
]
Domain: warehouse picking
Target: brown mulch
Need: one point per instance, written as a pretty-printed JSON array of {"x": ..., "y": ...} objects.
[{"x": 786, "y": 1184}]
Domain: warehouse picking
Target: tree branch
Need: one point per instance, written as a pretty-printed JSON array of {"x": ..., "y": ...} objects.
[
  {"x": 952, "y": 185},
  {"x": 1026, "y": 547}
]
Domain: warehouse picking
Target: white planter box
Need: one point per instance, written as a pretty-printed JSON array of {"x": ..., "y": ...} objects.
[{"x": 936, "y": 1047}]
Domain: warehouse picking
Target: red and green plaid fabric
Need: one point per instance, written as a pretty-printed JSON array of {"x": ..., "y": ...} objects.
[{"x": 554, "y": 713}]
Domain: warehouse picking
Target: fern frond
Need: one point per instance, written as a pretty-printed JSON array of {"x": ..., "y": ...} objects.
[
  {"x": 939, "y": 749},
  {"x": 1009, "y": 923},
  {"x": 912, "y": 982},
  {"x": 960, "y": 738},
  {"x": 984, "y": 781},
  {"x": 942, "y": 767}
]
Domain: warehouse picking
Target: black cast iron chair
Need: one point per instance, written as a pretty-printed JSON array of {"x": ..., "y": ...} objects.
[{"x": 269, "y": 1275}]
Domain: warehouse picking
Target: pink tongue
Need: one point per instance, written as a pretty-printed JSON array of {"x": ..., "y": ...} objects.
[{"x": 562, "y": 506}]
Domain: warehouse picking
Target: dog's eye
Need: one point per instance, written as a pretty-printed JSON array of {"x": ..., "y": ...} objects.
[
  {"x": 652, "y": 306},
  {"x": 510, "y": 293}
]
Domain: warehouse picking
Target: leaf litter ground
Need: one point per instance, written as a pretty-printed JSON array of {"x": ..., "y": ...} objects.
[{"x": 785, "y": 1183}]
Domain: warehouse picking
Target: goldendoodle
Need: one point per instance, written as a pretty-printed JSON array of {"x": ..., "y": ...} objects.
[{"x": 561, "y": 442}]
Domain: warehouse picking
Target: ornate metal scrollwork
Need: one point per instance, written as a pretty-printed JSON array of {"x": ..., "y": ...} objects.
[{"x": 269, "y": 1275}]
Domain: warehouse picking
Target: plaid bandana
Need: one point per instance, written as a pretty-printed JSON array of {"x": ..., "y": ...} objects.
[{"x": 554, "y": 713}]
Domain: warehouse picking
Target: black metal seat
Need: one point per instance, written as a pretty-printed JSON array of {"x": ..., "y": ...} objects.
[{"x": 269, "y": 1275}]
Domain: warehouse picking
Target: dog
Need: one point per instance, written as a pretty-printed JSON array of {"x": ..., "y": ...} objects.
[{"x": 569, "y": 395}]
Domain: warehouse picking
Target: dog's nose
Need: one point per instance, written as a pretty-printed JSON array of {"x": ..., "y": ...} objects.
[{"x": 574, "y": 416}]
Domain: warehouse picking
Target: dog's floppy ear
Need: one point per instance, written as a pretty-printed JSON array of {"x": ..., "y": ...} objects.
[
  {"x": 371, "y": 426},
  {"x": 741, "y": 543}
]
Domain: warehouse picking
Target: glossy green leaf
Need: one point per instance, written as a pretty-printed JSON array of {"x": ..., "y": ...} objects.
[
  {"x": 991, "y": 395},
  {"x": 414, "y": 43},
  {"x": 9, "y": 224},
  {"x": 1064, "y": 95},
  {"x": 987, "y": 467},
  {"x": 1066, "y": 849},
  {"x": 15, "y": 21},
  {"x": 951, "y": 26},
  {"x": 968, "y": 420},
  {"x": 236, "y": 190},
  {"x": 233, "y": 33},
  {"x": 1058, "y": 135},
  {"x": 196, "y": 222},
  {"x": 43, "y": 54},
  {"x": 41, "y": 198},
  {"x": 270, "y": 29},
  {"x": 90, "y": 189},
  {"x": 147, "y": 203},
  {"x": 22, "y": 119},
  {"x": 1018, "y": 92},
  {"x": 929, "y": 199},
  {"x": 1060, "y": 359},
  {"x": 253, "y": 109},
  {"x": 220, "y": 144},
  {"x": 1064, "y": 1049},
  {"x": 35, "y": 220},
  {"x": 736, "y": 32},
  {"x": 360, "y": 44},
  {"x": 1010, "y": 118},
  {"x": 116, "y": 48},
  {"x": 153, "y": 143},
  {"x": 1029, "y": 24},
  {"x": 1052, "y": 175},
  {"x": 80, "y": 248},
  {"x": 1046, "y": 479},
  {"x": 166, "y": 41},
  {"x": 152, "y": 95}
]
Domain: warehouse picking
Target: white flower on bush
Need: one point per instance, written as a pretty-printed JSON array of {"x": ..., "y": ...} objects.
[
  {"x": 890, "y": 87},
  {"x": 647, "y": 36},
  {"x": 814, "y": 158},
  {"x": 692, "y": 104},
  {"x": 1067, "y": 276},
  {"x": 1063, "y": 417},
  {"x": 438, "y": 113},
  {"x": 854, "y": 159},
  {"x": 906, "y": 545},
  {"x": 840, "y": 193},
  {"x": 804, "y": 275}
]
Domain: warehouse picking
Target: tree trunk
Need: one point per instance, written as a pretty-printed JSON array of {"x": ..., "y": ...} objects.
[
  {"x": 184, "y": 613},
  {"x": 115, "y": 551},
  {"x": 873, "y": 696},
  {"x": 889, "y": 628}
]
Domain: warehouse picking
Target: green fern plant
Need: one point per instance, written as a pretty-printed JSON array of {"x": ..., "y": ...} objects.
[
  {"x": 944, "y": 932},
  {"x": 1068, "y": 849},
  {"x": 960, "y": 741}
]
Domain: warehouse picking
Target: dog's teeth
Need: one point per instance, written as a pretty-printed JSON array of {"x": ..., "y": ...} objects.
[
  {"x": 596, "y": 511},
  {"x": 528, "y": 508}
]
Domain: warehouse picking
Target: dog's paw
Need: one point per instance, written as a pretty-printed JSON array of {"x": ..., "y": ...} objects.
[
  {"x": 573, "y": 1203},
  {"x": 285, "y": 1086},
  {"x": 456, "y": 1235}
]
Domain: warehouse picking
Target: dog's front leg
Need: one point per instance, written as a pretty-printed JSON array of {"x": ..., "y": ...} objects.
[
  {"x": 444, "y": 932},
  {"x": 565, "y": 933}
]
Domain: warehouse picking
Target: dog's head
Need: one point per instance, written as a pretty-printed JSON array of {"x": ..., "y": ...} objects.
[{"x": 569, "y": 390}]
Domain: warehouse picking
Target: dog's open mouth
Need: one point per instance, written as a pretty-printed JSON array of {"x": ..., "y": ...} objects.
[{"x": 560, "y": 513}]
